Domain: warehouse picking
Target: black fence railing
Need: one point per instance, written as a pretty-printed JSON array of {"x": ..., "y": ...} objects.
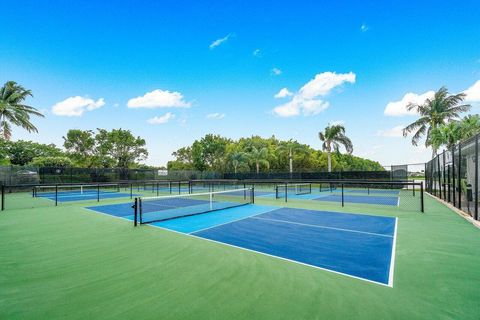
[
  {"x": 453, "y": 176},
  {"x": 14, "y": 175}
]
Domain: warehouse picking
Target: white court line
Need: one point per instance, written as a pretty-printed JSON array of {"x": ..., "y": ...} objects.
[
  {"x": 269, "y": 255},
  {"x": 392, "y": 260},
  {"x": 222, "y": 224},
  {"x": 324, "y": 227},
  {"x": 251, "y": 250}
]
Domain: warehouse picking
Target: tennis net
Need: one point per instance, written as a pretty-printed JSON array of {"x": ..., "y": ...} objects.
[
  {"x": 154, "y": 209},
  {"x": 296, "y": 188},
  {"x": 74, "y": 190}
]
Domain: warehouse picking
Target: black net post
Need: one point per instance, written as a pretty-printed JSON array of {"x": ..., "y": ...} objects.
[
  {"x": 131, "y": 190},
  {"x": 413, "y": 187},
  {"x": 343, "y": 202},
  {"x": 286, "y": 192},
  {"x": 3, "y": 197},
  {"x": 421, "y": 198},
  {"x": 179, "y": 187},
  {"x": 170, "y": 186},
  {"x": 140, "y": 210},
  {"x": 98, "y": 193},
  {"x": 56, "y": 195},
  {"x": 253, "y": 195},
  {"x": 135, "y": 212}
]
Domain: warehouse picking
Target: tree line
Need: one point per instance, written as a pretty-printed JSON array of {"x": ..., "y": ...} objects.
[
  {"x": 257, "y": 154},
  {"x": 117, "y": 148}
]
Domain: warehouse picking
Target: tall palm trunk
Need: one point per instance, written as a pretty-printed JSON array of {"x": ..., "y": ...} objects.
[
  {"x": 290, "y": 159},
  {"x": 258, "y": 167},
  {"x": 329, "y": 161}
]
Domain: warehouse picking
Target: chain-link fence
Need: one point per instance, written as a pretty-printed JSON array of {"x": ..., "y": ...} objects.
[
  {"x": 453, "y": 176},
  {"x": 18, "y": 175}
]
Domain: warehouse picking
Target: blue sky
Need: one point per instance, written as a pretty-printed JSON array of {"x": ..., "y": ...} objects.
[{"x": 174, "y": 71}]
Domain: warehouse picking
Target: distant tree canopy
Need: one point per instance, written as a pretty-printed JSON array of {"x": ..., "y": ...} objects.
[
  {"x": 117, "y": 148},
  {"x": 23, "y": 152},
  {"x": 216, "y": 153},
  {"x": 83, "y": 148}
]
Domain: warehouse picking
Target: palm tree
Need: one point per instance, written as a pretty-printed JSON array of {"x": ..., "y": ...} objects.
[
  {"x": 13, "y": 111},
  {"x": 237, "y": 158},
  {"x": 433, "y": 113},
  {"x": 333, "y": 136},
  {"x": 290, "y": 147},
  {"x": 470, "y": 126},
  {"x": 259, "y": 157},
  {"x": 446, "y": 134}
]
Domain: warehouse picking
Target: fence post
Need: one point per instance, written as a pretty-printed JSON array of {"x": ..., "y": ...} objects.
[
  {"x": 459, "y": 176},
  {"x": 476, "y": 177},
  {"x": 454, "y": 200},
  {"x": 439, "y": 176}
]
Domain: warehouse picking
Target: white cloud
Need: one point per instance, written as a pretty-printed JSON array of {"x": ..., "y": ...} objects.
[
  {"x": 364, "y": 27},
  {"x": 306, "y": 101},
  {"x": 283, "y": 93},
  {"x": 324, "y": 82},
  {"x": 473, "y": 93},
  {"x": 76, "y": 106},
  {"x": 298, "y": 106},
  {"x": 395, "y": 132},
  {"x": 215, "y": 116},
  {"x": 399, "y": 108},
  {"x": 116, "y": 105},
  {"x": 276, "y": 71},
  {"x": 218, "y": 42},
  {"x": 257, "y": 53},
  {"x": 159, "y": 99},
  {"x": 161, "y": 119}
]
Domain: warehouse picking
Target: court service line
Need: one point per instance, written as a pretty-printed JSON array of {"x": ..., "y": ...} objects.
[
  {"x": 270, "y": 255},
  {"x": 324, "y": 227},
  {"x": 236, "y": 220},
  {"x": 250, "y": 250},
  {"x": 392, "y": 260}
]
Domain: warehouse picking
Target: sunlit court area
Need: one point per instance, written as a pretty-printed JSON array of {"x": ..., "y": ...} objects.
[{"x": 240, "y": 160}]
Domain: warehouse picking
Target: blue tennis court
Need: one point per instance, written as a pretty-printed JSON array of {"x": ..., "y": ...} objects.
[
  {"x": 66, "y": 196},
  {"x": 380, "y": 200},
  {"x": 360, "y": 246},
  {"x": 373, "y": 191}
]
